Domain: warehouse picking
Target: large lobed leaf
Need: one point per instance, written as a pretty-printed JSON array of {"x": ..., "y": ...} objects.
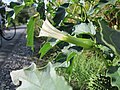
[
  {"x": 114, "y": 73},
  {"x": 34, "y": 78},
  {"x": 110, "y": 37},
  {"x": 85, "y": 28}
]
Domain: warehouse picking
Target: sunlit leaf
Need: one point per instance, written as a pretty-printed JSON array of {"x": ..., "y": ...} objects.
[
  {"x": 70, "y": 56},
  {"x": 45, "y": 48},
  {"x": 85, "y": 28},
  {"x": 70, "y": 68},
  {"x": 34, "y": 78},
  {"x": 17, "y": 9},
  {"x": 30, "y": 32},
  {"x": 28, "y": 2}
]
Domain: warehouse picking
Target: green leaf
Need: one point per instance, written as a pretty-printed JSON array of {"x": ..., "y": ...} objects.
[
  {"x": 70, "y": 68},
  {"x": 13, "y": 4},
  {"x": 60, "y": 58},
  {"x": 114, "y": 73},
  {"x": 17, "y": 9},
  {"x": 71, "y": 48},
  {"x": 53, "y": 41},
  {"x": 45, "y": 48},
  {"x": 70, "y": 56},
  {"x": 9, "y": 13},
  {"x": 30, "y": 32},
  {"x": 67, "y": 27},
  {"x": 110, "y": 37},
  {"x": 41, "y": 10},
  {"x": 85, "y": 28},
  {"x": 60, "y": 13},
  {"x": 28, "y": 2},
  {"x": 102, "y": 3},
  {"x": 34, "y": 78}
]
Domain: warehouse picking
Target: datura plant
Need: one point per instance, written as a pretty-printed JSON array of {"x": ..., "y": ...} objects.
[
  {"x": 48, "y": 30},
  {"x": 78, "y": 37}
]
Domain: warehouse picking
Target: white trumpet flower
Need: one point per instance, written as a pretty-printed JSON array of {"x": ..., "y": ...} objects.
[{"x": 48, "y": 30}]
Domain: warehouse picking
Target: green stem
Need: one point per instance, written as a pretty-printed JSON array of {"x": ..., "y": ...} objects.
[
  {"x": 74, "y": 9},
  {"x": 85, "y": 43}
]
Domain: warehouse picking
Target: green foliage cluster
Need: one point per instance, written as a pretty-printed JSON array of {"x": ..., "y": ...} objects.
[
  {"x": 86, "y": 67},
  {"x": 23, "y": 16},
  {"x": 83, "y": 40}
]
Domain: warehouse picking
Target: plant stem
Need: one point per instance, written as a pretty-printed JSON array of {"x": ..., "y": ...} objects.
[{"x": 85, "y": 43}]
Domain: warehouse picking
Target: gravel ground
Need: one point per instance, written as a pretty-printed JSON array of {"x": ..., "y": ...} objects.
[{"x": 19, "y": 58}]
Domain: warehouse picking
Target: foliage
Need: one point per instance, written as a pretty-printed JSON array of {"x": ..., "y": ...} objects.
[
  {"x": 110, "y": 37},
  {"x": 44, "y": 49},
  {"x": 114, "y": 73},
  {"x": 81, "y": 33},
  {"x": 34, "y": 78},
  {"x": 23, "y": 16},
  {"x": 30, "y": 31},
  {"x": 86, "y": 66}
]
